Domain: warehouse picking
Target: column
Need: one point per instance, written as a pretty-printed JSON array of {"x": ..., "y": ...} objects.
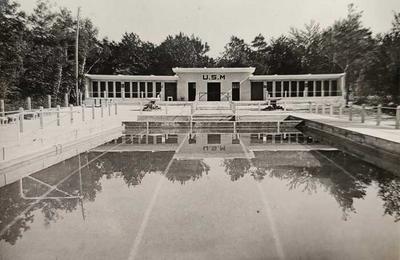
[
  {"x": 264, "y": 90},
  {"x": 314, "y": 88},
  {"x": 154, "y": 89},
  {"x": 131, "y": 89},
  {"x": 99, "y": 89},
  {"x": 330, "y": 88},
  {"x": 297, "y": 88},
  {"x": 162, "y": 93},
  {"x": 290, "y": 89},
  {"x": 273, "y": 88},
  {"x": 114, "y": 89},
  {"x": 322, "y": 89}
]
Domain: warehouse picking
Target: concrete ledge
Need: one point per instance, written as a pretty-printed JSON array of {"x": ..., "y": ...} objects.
[
  {"x": 380, "y": 152},
  {"x": 13, "y": 170}
]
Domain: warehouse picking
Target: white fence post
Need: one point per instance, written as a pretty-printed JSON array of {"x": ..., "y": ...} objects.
[
  {"x": 71, "y": 109},
  {"x": 363, "y": 113},
  {"x": 58, "y": 115},
  {"x": 93, "y": 112},
  {"x": 398, "y": 117},
  {"x": 21, "y": 120},
  {"x": 116, "y": 108},
  {"x": 83, "y": 112},
  {"x": 41, "y": 117},
  {"x": 379, "y": 114},
  {"x": 109, "y": 110},
  {"x": 350, "y": 111},
  {"x": 28, "y": 103},
  {"x": 340, "y": 111},
  {"x": 48, "y": 101},
  {"x": 2, "y": 108},
  {"x": 66, "y": 100},
  {"x": 309, "y": 107},
  {"x": 331, "y": 109},
  {"x": 101, "y": 110}
]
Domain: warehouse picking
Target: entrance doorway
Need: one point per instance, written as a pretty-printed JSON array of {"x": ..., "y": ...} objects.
[
  {"x": 257, "y": 91},
  {"x": 170, "y": 91},
  {"x": 192, "y": 91},
  {"x": 213, "y": 91},
  {"x": 235, "y": 91}
]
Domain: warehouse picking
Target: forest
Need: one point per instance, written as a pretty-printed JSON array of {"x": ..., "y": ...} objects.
[{"x": 37, "y": 54}]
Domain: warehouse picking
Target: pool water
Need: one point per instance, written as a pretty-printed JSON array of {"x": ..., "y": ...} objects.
[{"x": 204, "y": 196}]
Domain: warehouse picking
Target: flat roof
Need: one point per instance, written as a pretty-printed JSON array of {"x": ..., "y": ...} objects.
[
  {"x": 131, "y": 77},
  {"x": 215, "y": 70},
  {"x": 296, "y": 77}
]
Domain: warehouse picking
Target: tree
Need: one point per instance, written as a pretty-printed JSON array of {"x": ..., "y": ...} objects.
[
  {"x": 236, "y": 54},
  {"x": 283, "y": 57},
  {"x": 180, "y": 51},
  {"x": 12, "y": 46},
  {"x": 349, "y": 46},
  {"x": 308, "y": 46},
  {"x": 259, "y": 54}
]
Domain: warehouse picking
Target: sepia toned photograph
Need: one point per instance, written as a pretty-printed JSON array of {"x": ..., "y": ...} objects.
[{"x": 199, "y": 129}]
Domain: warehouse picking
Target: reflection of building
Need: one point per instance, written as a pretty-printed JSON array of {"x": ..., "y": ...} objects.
[{"x": 217, "y": 84}]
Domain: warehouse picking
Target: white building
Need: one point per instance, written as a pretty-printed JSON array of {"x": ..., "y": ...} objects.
[{"x": 217, "y": 84}]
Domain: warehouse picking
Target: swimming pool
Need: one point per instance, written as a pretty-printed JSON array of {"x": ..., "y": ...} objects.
[{"x": 209, "y": 195}]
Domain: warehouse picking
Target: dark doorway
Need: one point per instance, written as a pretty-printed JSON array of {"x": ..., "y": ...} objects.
[
  {"x": 235, "y": 91},
  {"x": 170, "y": 91},
  {"x": 192, "y": 91},
  {"x": 257, "y": 91},
  {"x": 213, "y": 91}
]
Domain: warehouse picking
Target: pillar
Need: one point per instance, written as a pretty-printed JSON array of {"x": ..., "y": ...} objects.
[
  {"x": 314, "y": 88},
  {"x": 297, "y": 89},
  {"x": 322, "y": 89},
  {"x": 273, "y": 88},
  {"x": 330, "y": 88},
  {"x": 290, "y": 89},
  {"x": 114, "y": 89}
]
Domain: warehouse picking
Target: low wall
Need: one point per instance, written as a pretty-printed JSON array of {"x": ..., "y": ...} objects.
[{"x": 380, "y": 152}]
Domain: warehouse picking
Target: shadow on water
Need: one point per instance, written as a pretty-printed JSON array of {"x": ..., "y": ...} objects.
[{"x": 65, "y": 187}]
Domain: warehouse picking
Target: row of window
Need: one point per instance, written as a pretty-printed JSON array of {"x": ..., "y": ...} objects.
[
  {"x": 296, "y": 89},
  {"x": 111, "y": 89}
]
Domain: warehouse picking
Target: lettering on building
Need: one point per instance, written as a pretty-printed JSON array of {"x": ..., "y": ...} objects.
[{"x": 213, "y": 76}]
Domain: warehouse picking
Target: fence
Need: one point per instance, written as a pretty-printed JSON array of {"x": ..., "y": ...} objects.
[
  {"x": 377, "y": 114},
  {"x": 40, "y": 127}
]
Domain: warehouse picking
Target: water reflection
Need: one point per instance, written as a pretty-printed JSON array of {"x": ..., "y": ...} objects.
[{"x": 289, "y": 157}]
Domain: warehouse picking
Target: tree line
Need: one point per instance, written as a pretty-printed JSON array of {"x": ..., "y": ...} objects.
[{"x": 37, "y": 54}]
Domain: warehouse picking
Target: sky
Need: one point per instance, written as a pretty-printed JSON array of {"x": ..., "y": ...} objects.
[{"x": 215, "y": 21}]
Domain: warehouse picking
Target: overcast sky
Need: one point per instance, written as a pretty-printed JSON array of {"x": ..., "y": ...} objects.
[{"x": 214, "y": 21}]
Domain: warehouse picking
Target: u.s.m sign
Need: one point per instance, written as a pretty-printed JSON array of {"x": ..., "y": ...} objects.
[{"x": 213, "y": 77}]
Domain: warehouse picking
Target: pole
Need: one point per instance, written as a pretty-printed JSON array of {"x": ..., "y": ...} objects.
[
  {"x": 379, "y": 115},
  {"x": 363, "y": 113},
  {"x": 29, "y": 103},
  {"x": 48, "y": 101},
  {"x": 21, "y": 120},
  {"x": 76, "y": 57},
  {"x": 398, "y": 117},
  {"x": 58, "y": 115},
  {"x": 41, "y": 117},
  {"x": 2, "y": 108},
  {"x": 71, "y": 110}
]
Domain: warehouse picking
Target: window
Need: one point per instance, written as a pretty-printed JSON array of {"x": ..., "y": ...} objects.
[
  {"x": 158, "y": 89},
  {"x": 110, "y": 86},
  {"x": 278, "y": 89},
  {"x": 310, "y": 85},
  {"x": 149, "y": 89},
  {"x": 142, "y": 89},
  {"x": 118, "y": 89},
  {"x": 127, "y": 89},
  {"x": 293, "y": 89},
  {"x": 102, "y": 88},
  {"x": 301, "y": 88},
  {"x": 134, "y": 90},
  {"x": 95, "y": 89}
]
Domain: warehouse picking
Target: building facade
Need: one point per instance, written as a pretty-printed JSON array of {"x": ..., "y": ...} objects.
[{"x": 216, "y": 84}]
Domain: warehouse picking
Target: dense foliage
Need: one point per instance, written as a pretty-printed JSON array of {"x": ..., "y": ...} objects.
[{"x": 37, "y": 53}]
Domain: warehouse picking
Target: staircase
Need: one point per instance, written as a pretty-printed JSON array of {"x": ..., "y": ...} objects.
[{"x": 213, "y": 111}]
